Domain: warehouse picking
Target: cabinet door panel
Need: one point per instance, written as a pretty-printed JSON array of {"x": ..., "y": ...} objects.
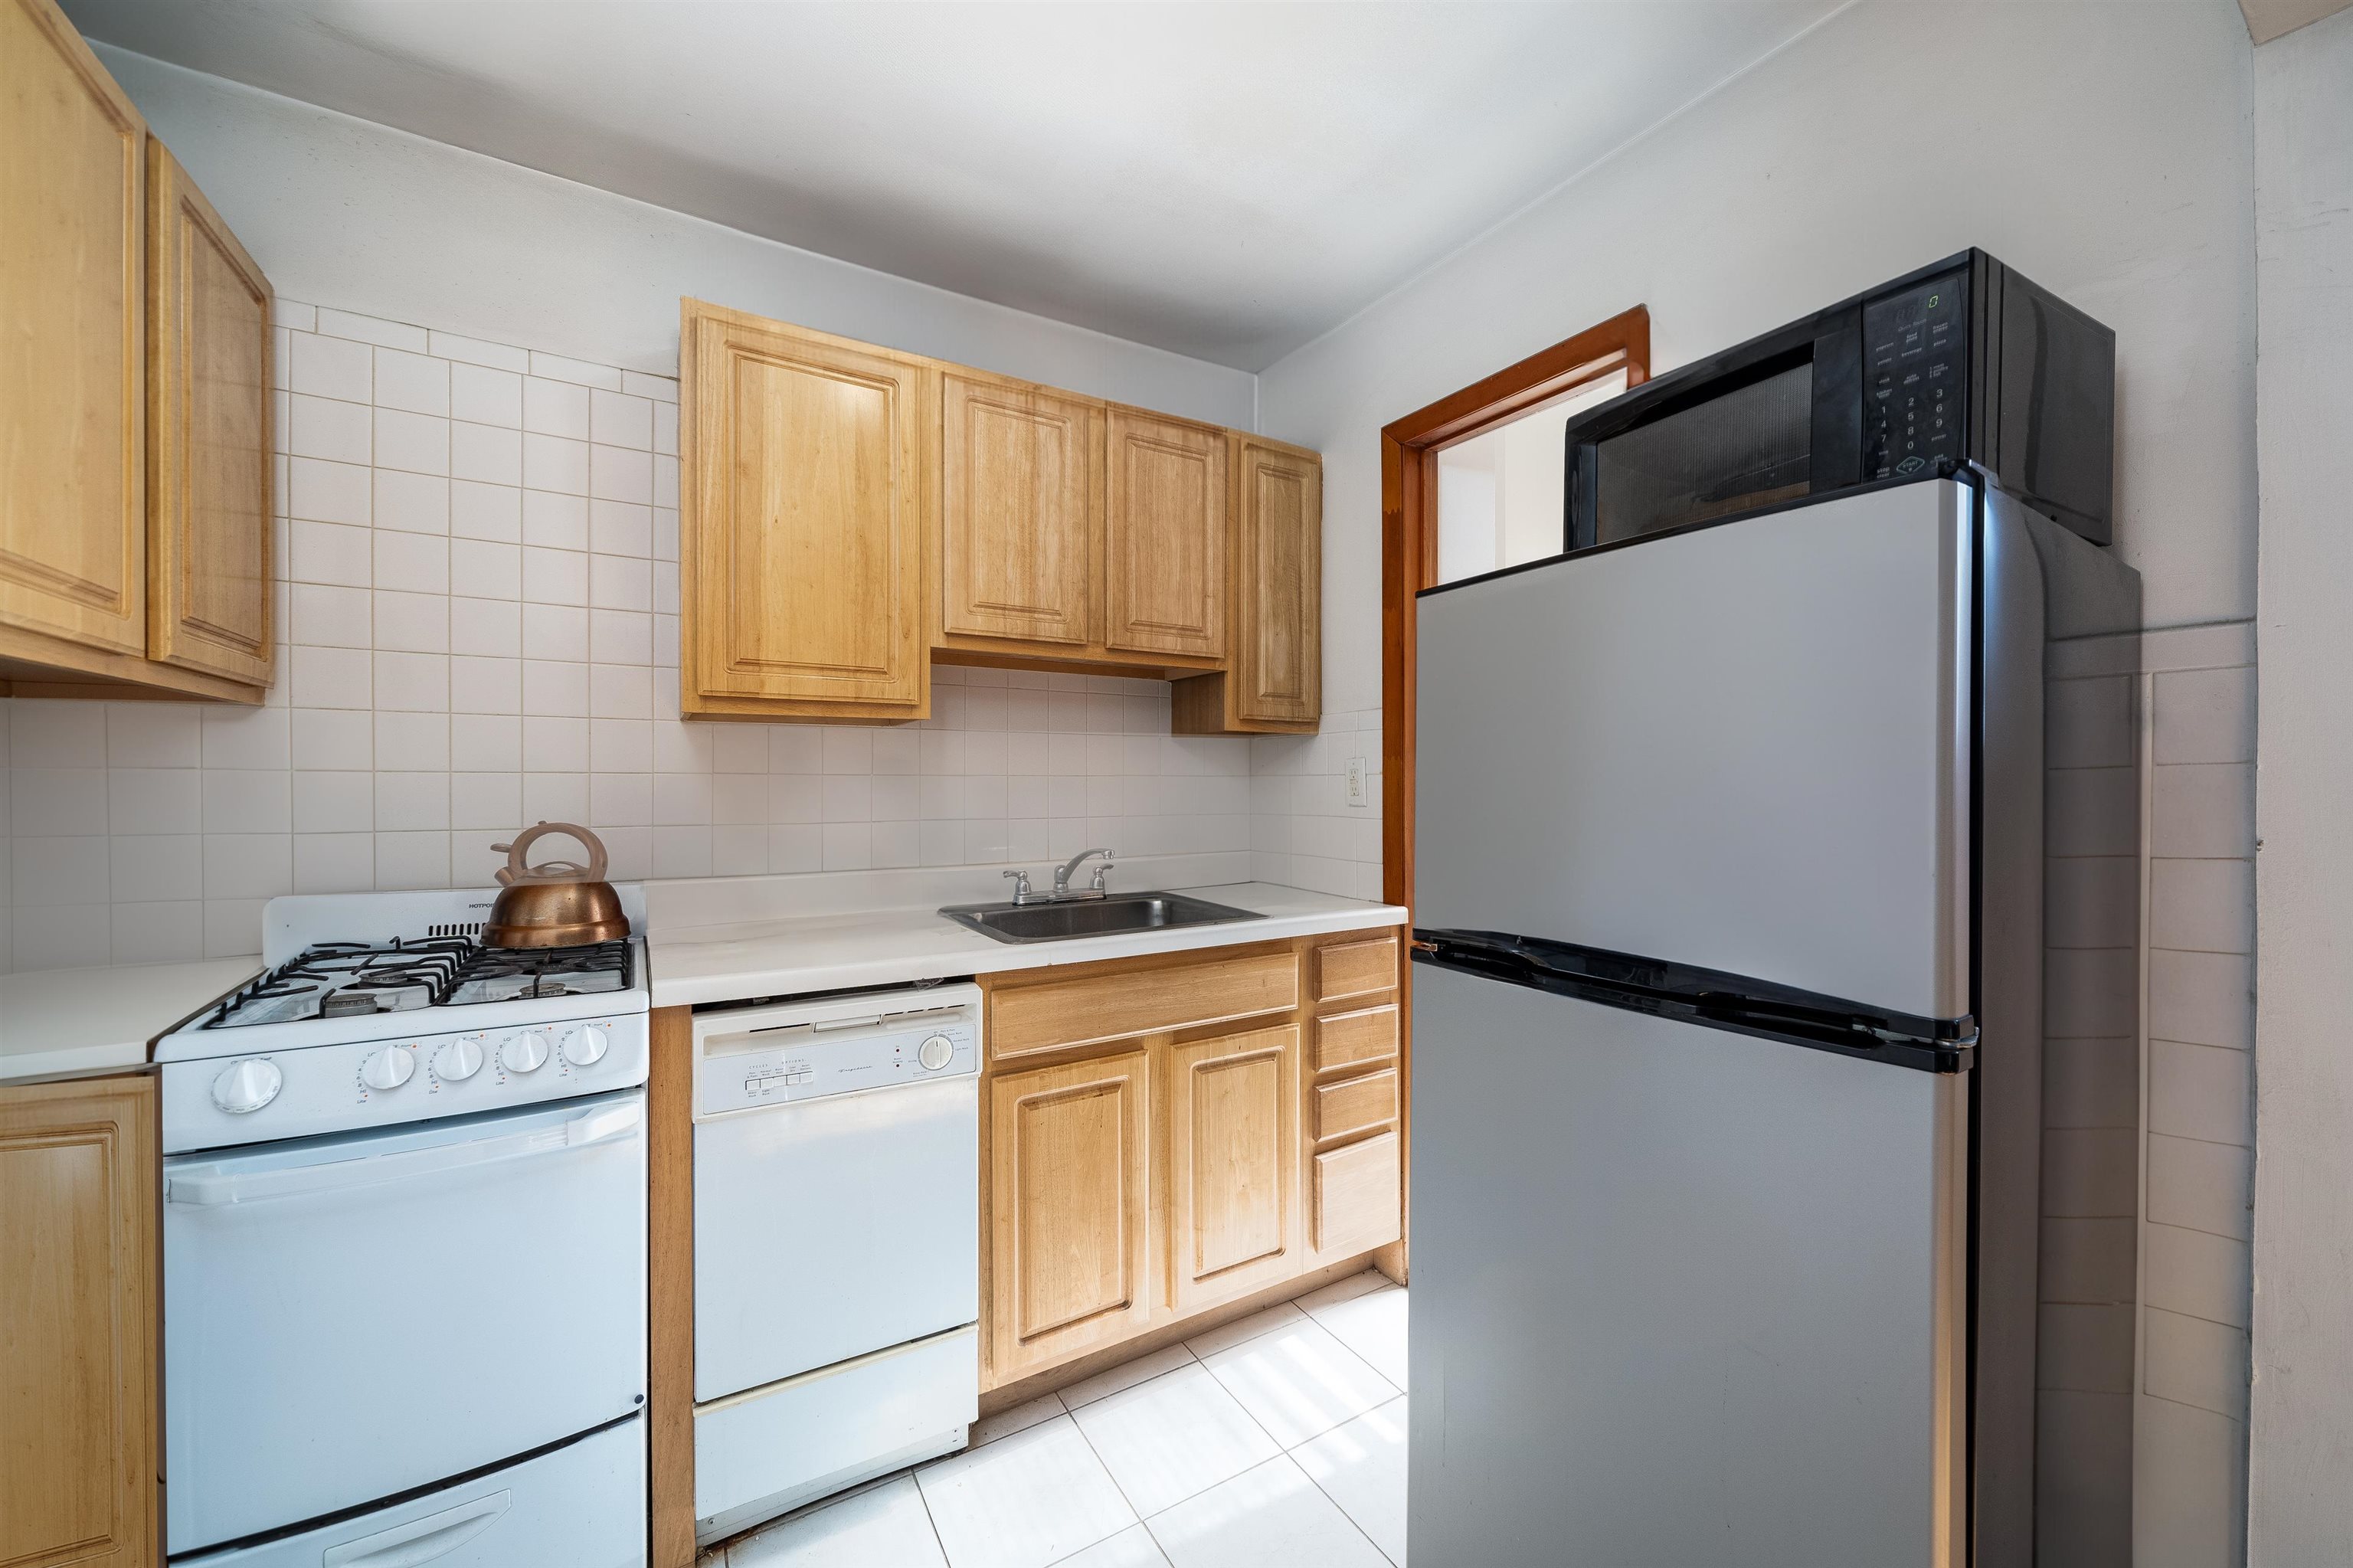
[
  {"x": 1164, "y": 537},
  {"x": 1356, "y": 969},
  {"x": 1232, "y": 1154},
  {"x": 1359, "y": 1194},
  {"x": 1070, "y": 1196},
  {"x": 1021, "y": 493},
  {"x": 1344, "y": 1039},
  {"x": 208, "y": 425},
  {"x": 802, "y": 554},
  {"x": 1355, "y": 1105},
  {"x": 1279, "y": 656},
  {"x": 78, "y": 1292},
  {"x": 73, "y": 517}
]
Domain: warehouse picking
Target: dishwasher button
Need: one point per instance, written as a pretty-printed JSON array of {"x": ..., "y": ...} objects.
[{"x": 935, "y": 1053}]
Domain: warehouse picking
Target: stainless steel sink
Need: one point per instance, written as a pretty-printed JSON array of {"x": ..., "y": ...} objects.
[{"x": 1061, "y": 920}]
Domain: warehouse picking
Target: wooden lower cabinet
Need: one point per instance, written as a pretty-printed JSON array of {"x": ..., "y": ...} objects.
[
  {"x": 79, "y": 1323},
  {"x": 1232, "y": 1107},
  {"x": 1165, "y": 1136},
  {"x": 1070, "y": 1209}
]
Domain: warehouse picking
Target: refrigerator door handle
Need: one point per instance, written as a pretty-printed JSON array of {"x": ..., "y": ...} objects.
[{"x": 1725, "y": 1002}]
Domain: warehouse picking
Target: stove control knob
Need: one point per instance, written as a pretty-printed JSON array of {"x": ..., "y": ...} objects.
[
  {"x": 246, "y": 1087},
  {"x": 935, "y": 1053},
  {"x": 457, "y": 1061},
  {"x": 389, "y": 1068},
  {"x": 585, "y": 1045},
  {"x": 522, "y": 1053}
]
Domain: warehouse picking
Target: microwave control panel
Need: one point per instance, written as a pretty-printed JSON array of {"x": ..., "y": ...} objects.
[{"x": 1915, "y": 368}]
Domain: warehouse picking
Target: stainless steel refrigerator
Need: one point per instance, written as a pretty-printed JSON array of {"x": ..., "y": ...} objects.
[{"x": 1727, "y": 1030}]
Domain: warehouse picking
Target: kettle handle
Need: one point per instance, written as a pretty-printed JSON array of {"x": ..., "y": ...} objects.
[{"x": 517, "y": 871}]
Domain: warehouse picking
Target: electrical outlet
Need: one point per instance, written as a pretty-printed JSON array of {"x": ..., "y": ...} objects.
[{"x": 1358, "y": 793}]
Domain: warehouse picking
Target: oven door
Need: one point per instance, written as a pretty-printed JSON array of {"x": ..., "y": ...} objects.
[{"x": 351, "y": 1317}]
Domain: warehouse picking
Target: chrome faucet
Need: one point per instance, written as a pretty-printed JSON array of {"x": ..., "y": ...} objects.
[{"x": 1063, "y": 875}]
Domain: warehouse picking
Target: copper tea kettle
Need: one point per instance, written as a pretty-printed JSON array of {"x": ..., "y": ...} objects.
[{"x": 555, "y": 904}]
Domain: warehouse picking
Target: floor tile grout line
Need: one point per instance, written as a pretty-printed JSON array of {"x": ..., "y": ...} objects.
[
  {"x": 1320, "y": 1487},
  {"x": 923, "y": 1499}
]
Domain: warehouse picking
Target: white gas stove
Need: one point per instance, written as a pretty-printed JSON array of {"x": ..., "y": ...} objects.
[
  {"x": 404, "y": 1247},
  {"x": 378, "y": 1008}
]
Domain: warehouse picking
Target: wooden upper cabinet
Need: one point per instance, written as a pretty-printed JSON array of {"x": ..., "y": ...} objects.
[
  {"x": 1020, "y": 493},
  {"x": 209, "y": 440},
  {"x": 78, "y": 1244},
  {"x": 1278, "y": 667},
  {"x": 73, "y": 519},
  {"x": 1232, "y": 1165},
  {"x": 1069, "y": 1210},
  {"x": 1164, "y": 536},
  {"x": 806, "y": 501}
]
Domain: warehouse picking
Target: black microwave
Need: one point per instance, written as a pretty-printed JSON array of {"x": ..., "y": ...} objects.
[{"x": 1963, "y": 363}]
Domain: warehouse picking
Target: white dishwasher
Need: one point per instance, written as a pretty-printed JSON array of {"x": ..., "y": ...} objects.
[{"x": 837, "y": 1245}]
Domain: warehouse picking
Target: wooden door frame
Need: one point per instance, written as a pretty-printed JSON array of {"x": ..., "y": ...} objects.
[{"x": 1410, "y": 564}]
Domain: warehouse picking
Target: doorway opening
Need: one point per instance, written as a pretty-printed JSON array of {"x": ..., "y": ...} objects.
[{"x": 1501, "y": 489}]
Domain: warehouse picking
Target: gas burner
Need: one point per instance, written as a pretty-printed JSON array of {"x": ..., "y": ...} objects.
[{"x": 357, "y": 980}]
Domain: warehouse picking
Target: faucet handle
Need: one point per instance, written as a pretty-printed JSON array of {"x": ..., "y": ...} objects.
[
  {"x": 1105, "y": 866},
  {"x": 1020, "y": 886}
]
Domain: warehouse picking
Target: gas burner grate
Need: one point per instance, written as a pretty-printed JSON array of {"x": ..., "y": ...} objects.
[{"x": 355, "y": 979}]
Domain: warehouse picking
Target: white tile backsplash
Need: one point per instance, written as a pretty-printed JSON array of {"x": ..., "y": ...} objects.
[
  {"x": 1304, "y": 832},
  {"x": 479, "y": 627}
]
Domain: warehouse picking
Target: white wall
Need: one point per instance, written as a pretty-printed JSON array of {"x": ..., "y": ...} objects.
[
  {"x": 478, "y": 590},
  {"x": 342, "y": 212},
  {"x": 2106, "y": 151},
  {"x": 478, "y": 629},
  {"x": 2302, "y": 1508}
]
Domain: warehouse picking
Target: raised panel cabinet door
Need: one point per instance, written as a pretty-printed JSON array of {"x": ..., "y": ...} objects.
[
  {"x": 1164, "y": 537},
  {"x": 1279, "y": 631},
  {"x": 807, "y": 496},
  {"x": 79, "y": 1170},
  {"x": 1233, "y": 1162},
  {"x": 73, "y": 456},
  {"x": 1020, "y": 503},
  {"x": 1069, "y": 1210},
  {"x": 208, "y": 483}
]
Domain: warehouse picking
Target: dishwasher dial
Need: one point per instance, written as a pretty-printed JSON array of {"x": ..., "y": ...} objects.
[
  {"x": 246, "y": 1087},
  {"x": 522, "y": 1053},
  {"x": 584, "y": 1046},
  {"x": 935, "y": 1053},
  {"x": 389, "y": 1068},
  {"x": 457, "y": 1061}
]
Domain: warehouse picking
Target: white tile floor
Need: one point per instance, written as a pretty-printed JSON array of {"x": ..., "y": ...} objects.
[{"x": 1277, "y": 1441}]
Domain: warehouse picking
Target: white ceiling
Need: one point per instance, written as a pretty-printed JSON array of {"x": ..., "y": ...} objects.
[{"x": 1223, "y": 180}]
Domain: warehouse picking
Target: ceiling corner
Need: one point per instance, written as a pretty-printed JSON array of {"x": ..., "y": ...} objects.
[{"x": 2269, "y": 19}]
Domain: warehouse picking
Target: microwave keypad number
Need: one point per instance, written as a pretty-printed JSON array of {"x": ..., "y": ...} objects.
[{"x": 1914, "y": 346}]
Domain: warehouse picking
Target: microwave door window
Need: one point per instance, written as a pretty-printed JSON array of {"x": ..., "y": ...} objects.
[{"x": 1746, "y": 448}]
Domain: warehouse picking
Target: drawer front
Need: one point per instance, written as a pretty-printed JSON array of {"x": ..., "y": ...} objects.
[
  {"x": 1355, "y": 1105},
  {"x": 1357, "y": 1193},
  {"x": 1024, "y": 1021},
  {"x": 1344, "y": 1039},
  {"x": 1356, "y": 969}
]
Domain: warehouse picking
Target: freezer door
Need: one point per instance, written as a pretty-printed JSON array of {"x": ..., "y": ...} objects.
[
  {"x": 1681, "y": 1298},
  {"x": 1744, "y": 748}
]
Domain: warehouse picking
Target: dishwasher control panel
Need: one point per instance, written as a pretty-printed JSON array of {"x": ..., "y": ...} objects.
[{"x": 779, "y": 1055}]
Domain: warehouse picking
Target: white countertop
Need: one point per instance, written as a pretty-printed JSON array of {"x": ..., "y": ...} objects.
[
  {"x": 788, "y": 955},
  {"x": 102, "y": 1019}
]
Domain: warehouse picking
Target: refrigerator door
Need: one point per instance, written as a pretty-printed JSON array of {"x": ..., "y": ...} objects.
[
  {"x": 1744, "y": 748},
  {"x": 1681, "y": 1298}
]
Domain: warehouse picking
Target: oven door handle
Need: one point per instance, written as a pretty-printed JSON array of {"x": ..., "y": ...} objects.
[
  {"x": 216, "y": 1188},
  {"x": 421, "y": 1540}
]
